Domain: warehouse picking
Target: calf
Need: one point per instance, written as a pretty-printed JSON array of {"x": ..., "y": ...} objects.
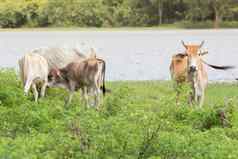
[
  {"x": 88, "y": 75},
  {"x": 34, "y": 71}
]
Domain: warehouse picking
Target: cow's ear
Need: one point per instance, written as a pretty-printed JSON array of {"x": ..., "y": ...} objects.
[
  {"x": 57, "y": 72},
  {"x": 203, "y": 53}
]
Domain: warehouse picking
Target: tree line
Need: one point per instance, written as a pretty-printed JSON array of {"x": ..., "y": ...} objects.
[{"x": 117, "y": 13}]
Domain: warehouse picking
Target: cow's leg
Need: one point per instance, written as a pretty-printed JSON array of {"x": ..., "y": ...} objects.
[
  {"x": 43, "y": 88},
  {"x": 97, "y": 81},
  {"x": 72, "y": 86},
  {"x": 71, "y": 94},
  {"x": 191, "y": 97},
  {"x": 85, "y": 95},
  {"x": 91, "y": 96},
  {"x": 35, "y": 92},
  {"x": 27, "y": 86},
  {"x": 194, "y": 93},
  {"x": 178, "y": 90},
  {"x": 201, "y": 98},
  {"x": 196, "y": 96},
  {"x": 97, "y": 96},
  {"x": 95, "y": 102}
]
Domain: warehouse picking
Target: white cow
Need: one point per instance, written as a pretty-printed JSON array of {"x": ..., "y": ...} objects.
[{"x": 34, "y": 73}]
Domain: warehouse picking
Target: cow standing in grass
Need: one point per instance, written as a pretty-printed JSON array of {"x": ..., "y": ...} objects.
[
  {"x": 34, "y": 74},
  {"x": 189, "y": 67},
  {"x": 87, "y": 75}
]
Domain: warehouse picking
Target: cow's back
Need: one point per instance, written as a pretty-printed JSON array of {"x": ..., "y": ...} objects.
[
  {"x": 83, "y": 71},
  {"x": 59, "y": 57},
  {"x": 178, "y": 68}
]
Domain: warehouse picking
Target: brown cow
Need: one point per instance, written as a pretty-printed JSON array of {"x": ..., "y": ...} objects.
[
  {"x": 88, "y": 75},
  {"x": 189, "y": 67}
]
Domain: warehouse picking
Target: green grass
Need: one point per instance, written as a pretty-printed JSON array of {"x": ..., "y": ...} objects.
[{"x": 137, "y": 120}]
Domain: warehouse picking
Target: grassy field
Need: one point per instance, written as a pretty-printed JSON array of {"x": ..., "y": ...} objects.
[{"x": 137, "y": 120}]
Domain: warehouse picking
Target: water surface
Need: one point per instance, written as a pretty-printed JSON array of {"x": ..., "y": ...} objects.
[{"x": 130, "y": 55}]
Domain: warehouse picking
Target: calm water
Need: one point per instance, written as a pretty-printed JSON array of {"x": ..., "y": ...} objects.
[{"x": 137, "y": 55}]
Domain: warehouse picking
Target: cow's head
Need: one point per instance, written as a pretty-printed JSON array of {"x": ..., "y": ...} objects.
[
  {"x": 56, "y": 78},
  {"x": 193, "y": 52}
]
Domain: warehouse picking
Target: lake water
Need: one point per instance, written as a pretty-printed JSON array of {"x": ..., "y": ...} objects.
[{"x": 131, "y": 55}]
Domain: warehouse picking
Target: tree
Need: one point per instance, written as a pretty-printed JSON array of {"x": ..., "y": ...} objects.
[{"x": 220, "y": 9}]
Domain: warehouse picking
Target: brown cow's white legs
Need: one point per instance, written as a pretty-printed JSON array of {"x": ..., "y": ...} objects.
[
  {"x": 85, "y": 95},
  {"x": 97, "y": 96},
  {"x": 71, "y": 93},
  {"x": 69, "y": 99}
]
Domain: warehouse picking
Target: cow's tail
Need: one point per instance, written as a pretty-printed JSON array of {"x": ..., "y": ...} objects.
[
  {"x": 219, "y": 67},
  {"x": 102, "y": 87},
  {"x": 27, "y": 86},
  {"x": 27, "y": 81}
]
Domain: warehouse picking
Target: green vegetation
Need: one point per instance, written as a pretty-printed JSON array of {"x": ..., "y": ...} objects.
[
  {"x": 137, "y": 120},
  {"x": 118, "y": 13}
]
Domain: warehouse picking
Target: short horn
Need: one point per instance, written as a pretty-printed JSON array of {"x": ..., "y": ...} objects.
[
  {"x": 202, "y": 43},
  {"x": 184, "y": 44}
]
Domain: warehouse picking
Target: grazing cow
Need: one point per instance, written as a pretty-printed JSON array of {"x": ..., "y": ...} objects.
[
  {"x": 88, "y": 75},
  {"x": 34, "y": 73},
  {"x": 189, "y": 67}
]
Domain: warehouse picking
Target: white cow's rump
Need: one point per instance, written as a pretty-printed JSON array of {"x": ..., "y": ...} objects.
[{"x": 34, "y": 73}]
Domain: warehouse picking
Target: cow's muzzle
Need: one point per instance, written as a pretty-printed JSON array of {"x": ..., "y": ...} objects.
[{"x": 192, "y": 69}]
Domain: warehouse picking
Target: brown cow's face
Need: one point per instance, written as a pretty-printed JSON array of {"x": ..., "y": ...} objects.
[
  {"x": 55, "y": 79},
  {"x": 193, "y": 57},
  {"x": 192, "y": 51}
]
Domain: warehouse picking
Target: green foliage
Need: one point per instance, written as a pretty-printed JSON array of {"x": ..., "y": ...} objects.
[
  {"x": 136, "y": 120},
  {"x": 117, "y": 13}
]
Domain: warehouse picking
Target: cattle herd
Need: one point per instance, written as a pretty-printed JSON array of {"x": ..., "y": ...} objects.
[{"x": 72, "y": 70}]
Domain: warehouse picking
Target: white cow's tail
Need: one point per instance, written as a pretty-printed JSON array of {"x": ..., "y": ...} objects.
[
  {"x": 27, "y": 81},
  {"x": 27, "y": 86}
]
